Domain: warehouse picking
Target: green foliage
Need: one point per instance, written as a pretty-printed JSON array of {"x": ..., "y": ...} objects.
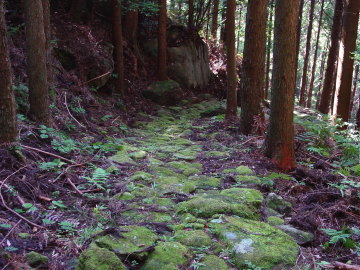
[
  {"x": 59, "y": 141},
  {"x": 21, "y": 95},
  {"x": 251, "y": 266},
  {"x": 67, "y": 227},
  {"x": 98, "y": 178},
  {"x": 12, "y": 30},
  {"x": 55, "y": 165},
  {"x": 343, "y": 237}
]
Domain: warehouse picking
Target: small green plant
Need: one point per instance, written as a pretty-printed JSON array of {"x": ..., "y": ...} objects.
[
  {"x": 251, "y": 266},
  {"x": 343, "y": 237},
  {"x": 57, "y": 204},
  {"x": 29, "y": 207},
  {"x": 67, "y": 227},
  {"x": 98, "y": 178},
  {"x": 106, "y": 117},
  {"x": 55, "y": 165}
]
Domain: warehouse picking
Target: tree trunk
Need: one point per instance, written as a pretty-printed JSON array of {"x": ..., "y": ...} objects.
[
  {"x": 311, "y": 86},
  {"x": 191, "y": 15},
  {"x": 231, "y": 103},
  {"x": 47, "y": 30},
  {"x": 306, "y": 57},
  {"x": 253, "y": 67},
  {"x": 346, "y": 61},
  {"x": 331, "y": 67},
  {"x": 131, "y": 25},
  {"x": 36, "y": 62},
  {"x": 356, "y": 77},
  {"x": 223, "y": 23},
  {"x": 322, "y": 68},
  {"x": 162, "y": 76},
  {"x": 298, "y": 37},
  {"x": 118, "y": 48},
  {"x": 279, "y": 142},
  {"x": 8, "y": 133},
  {"x": 268, "y": 52},
  {"x": 214, "y": 21}
]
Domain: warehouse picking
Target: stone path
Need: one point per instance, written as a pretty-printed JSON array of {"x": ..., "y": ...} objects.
[{"x": 175, "y": 211}]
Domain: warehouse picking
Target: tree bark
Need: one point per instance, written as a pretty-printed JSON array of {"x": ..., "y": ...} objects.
[
  {"x": 214, "y": 21},
  {"x": 356, "y": 77},
  {"x": 239, "y": 28},
  {"x": 268, "y": 52},
  {"x": 331, "y": 66},
  {"x": 231, "y": 104},
  {"x": 8, "y": 133},
  {"x": 253, "y": 67},
  {"x": 298, "y": 37},
  {"x": 321, "y": 78},
  {"x": 223, "y": 29},
  {"x": 306, "y": 57},
  {"x": 346, "y": 61},
  {"x": 191, "y": 15},
  {"x": 311, "y": 85},
  {"x": 118, "y": 48},
  {"x": 162, "y": 68},
  {"x": 47, "y": 30},
  {"x": 36, "y": 62},
  {"x": 279, "y": 141}
]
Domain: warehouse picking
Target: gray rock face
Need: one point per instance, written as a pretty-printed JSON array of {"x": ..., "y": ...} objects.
[{"x": 188, "y": 59}]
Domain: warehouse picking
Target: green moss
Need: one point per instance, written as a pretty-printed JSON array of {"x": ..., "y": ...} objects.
[
  {"x": 274, "y": 221},
  {"x": 203, "y": 181},
  {"x": 138, "y": 155},
  {"x": 229, "y": 171},
  {"x": 244, "y": 170},
  {"x": 139, "y": 175},
  {"x": 278, "y": 204},
  {"x": 212, "y": 262},
  {"x": 133, "y": 239},
  {"x": 196, "y": 238},
  {"x": 35, "y": 259},
  {"x": 247, "y": 179},
  {"x": 217, "y": 154},
  {"x": 246, "y": 195},
  {"x": 122, "y": 157},
  {"x": 123, "y": 196},
  {"x": 186, "y": 154},
  {"x": 257, "y": 242},
  {"x": 186, "y": 168},
  {"x": 167, "y": 256},
  {"x": 96, "y": 258}
]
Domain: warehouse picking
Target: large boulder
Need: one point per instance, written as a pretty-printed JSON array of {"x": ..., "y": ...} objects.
[
  {"x": 188, "y": 59},
  {"x": 165, "y": 93}
]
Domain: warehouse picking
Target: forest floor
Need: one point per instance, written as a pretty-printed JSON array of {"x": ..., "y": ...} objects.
[{"x": 178, "y": 189}]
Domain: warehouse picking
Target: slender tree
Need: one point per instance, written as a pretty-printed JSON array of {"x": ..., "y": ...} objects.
[
  {"x": 8, "y": 133},
  {"x": 118, "y": 48},
  {"x": 162, "y": 68},
  {"x": 279, "y": 141},
  {"x": 321, "y": 78},
  {"x": 231, "y": 106},
  {"x": 311, "y": 85},
  {"x": 356, "y": 77},
  {"x": 239, "y": 27},
  {"x": 298, "y": 36},
  {"x": 36, "y": 62},
  {"x": 268, "y": 50},
  {"x": 331, "y": 66},
  {"x": 253, "y": 68},
  {"x": 346, "y": 61},
  {"x": 223, "y": 22},
  {"x": 214, "y": 21},
  {"x": 306, "y": 57}
]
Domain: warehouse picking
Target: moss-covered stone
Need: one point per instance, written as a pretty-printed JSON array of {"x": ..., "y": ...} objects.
[
  {"x": 138, "y": 155},
  {"x": 167, "y": 256},
  {"x": 186, "y": 168},
  {"x": 122, "y": 157},
  {"x": 166, "y": 93},
  {"x": 139, "y": 175},
  {"x": 217, "y": 154},
  {"x": 203, "y": 181},
  {"x": 244, "y": 170},
  {"x": 123, "y": 196},
  {"x": 257, "y": 242},
  {"x": 212, "y": 262},
  {"x": 188, "y": 155},
  {"x": 35, "y": 259},
  {"x": 96, "y": 258},
  {"x": 275, "y": 221},
  {"x": 133, "y": 239},
  {"x": 196, "y": 238},
  {"x": 300, "y": 237},
  {"x": 277, "y": 203},
  {"x": 236, "y": 201},
  {"x": 247, "y": 179}
]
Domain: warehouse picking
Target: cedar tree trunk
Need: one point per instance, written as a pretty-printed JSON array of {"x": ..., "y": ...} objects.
[
  {"x": 253, "y": 66},
  {"x": 279, "y": 141},
  {"x": 162, "y": 42}
]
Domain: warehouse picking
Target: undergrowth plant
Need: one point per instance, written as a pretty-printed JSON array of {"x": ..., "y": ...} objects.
[{"x": 345, "y": 237}]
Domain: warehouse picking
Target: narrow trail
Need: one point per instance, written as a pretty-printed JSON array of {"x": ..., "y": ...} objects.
[{"x": 189, "y": 201}]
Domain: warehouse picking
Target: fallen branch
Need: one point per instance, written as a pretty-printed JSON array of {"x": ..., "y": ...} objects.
[
  {"x": 344, "y": 266},
  {"x": 49, "y": 154},
  {"x": 98, "y": 77},
  {"x": 74, "y": 187}
]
